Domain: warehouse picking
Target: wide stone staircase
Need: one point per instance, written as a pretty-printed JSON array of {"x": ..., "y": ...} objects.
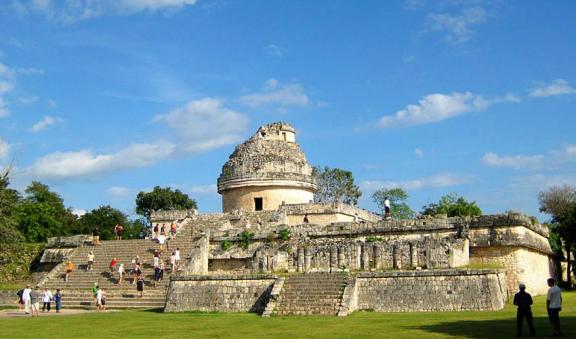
[
  {"x": 311, "y": 294},
  {"x": 77, "y": 291}
]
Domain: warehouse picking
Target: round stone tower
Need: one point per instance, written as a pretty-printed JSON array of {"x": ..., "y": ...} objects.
[{"x": 265, "y": 171}]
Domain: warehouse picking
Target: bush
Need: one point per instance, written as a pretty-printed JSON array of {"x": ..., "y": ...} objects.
[
  {"x": 285, "y": 234},
  {"x": 226, "y": 244},
  {"x": 246, "y": 239},
  {"x": 373, "y": 239}
]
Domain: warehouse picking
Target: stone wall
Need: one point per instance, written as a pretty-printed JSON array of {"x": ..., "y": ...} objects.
[
  {"x": 326, "y": 213},
  {"x": 437, "y": 290},
  {"x": 242, "y": 293},
  {"x": 273, "y": 195},
  {"x": 523, "y": 265}
]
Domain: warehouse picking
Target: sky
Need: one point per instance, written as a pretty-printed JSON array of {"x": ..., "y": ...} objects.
[{"x": 103, "y": 99}]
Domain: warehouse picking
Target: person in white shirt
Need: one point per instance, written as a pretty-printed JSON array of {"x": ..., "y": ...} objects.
[
  {"x": 161, "y": 241},
  {"x": 46, "y": 299},
  {"x": 387, "y": 214},
  {"x": 26, "y": 299},
  {"x": 177, "y": 257},
  {"x": 554, "y": 306},
  {"x": 99, "y": 299}
]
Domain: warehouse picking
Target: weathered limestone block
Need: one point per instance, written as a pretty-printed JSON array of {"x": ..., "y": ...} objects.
[{"x": 71, "y": 241}]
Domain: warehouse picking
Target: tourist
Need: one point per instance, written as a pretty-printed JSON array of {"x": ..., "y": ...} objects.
[
  {"x": 306, "y": 218},
  {"x": 26, "y": 299},
  {"x": 90, "y": 261},
  {"x": 121, "y": 272},
  {"x": 177, "y": 257},
  {"x": 173, "y": 230},
  {"x": 524, "y": 302},
  {"x": 248, "y": 224},
  {"x": 98, "y": 298},
  {"x": 172, "y": 261},
  {"x": 120, "y": 231},
  {"x": 46, "y": 299},
  {"x": 103, "y": 298},
  {"x": 95, "y": 293},
  {"x": 387, "y": 214},
  {"x": 161, "y": 240},
  {"x": 356, "y": 219},
  {"x": 259, "y": 223},
  {"x": 58, "y": 300},
  {"x": 20, "y": 301},
  {"x": 136, "y": 272},
  {"x": 554, "y": 306},
  {"x": 163, "y": 230},
  {"x": 155, "y": 232},
  {"x": 161, "y": 271},
  {"x": 69, "y": 270},
  {"x": 140, "y": 285},
  {"x": 34, "y": 301},
  {"x": 113, "y": 265},
  {"x": 96, "y": 236}
]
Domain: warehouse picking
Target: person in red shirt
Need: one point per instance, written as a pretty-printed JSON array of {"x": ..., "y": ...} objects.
[{"x": 113, "y": 265}]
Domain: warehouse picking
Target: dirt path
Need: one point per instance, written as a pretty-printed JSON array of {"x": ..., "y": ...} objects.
[{"x": 14, "y": 313}]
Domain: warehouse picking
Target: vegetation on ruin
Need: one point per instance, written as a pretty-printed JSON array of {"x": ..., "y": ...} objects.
[
  {"x": 150, "y": 324},
  {"x": 335, "y": 185},
  {"x": 453, "y": 206},
  {"x": 372, "y": 238},
  {"x": 285, "y": 234},
  {"x": 162, "y": 199},
  {"x": 246, "y": 239},
  {"x": 398, "y": 205},
  {"x": 226, "y": 244}
]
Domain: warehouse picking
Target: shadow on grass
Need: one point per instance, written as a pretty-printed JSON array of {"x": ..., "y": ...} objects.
[{"x": 497, "y": 328}]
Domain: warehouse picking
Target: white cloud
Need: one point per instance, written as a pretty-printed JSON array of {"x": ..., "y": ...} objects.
[
  {"x": 6, "y": 86},
  {"x": 118, "y": 192},
  {"x": 4, "y": 149},
  {"x": 85, "y": 9},
  {"x": 435, "y": 107},
  {"x": 79, "y": 212},
  {"x": 556, "y": 87},
  {"x": 419, "y": 153},
  {"x": 46, "y": 122},
  {"x": 210, "y": 189},
  {"x": 205, "y": 124},
  {"x": 85, "y": 163},
  {"x": 3, "y": 109},
  {"x": 458, "y": 28},
  {"x": 276, "y": 94},
  {"x": 551, "y": 159},
  {"x": 275, "y": 50},
  {"x": 436, "y": 181}
]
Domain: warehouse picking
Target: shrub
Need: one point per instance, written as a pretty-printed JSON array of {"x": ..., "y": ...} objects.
[
  {"x": 285, "y": 234},
  {"x": 226, "y": 245},
  {"x": 246, "y": 239},
  {"x": 373, "y": 239}
]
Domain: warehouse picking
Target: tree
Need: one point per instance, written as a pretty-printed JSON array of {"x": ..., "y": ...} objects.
[
  {"x": 42, "y": 214},
  {"x": 453, "y": 206},
  {"x": 398, "y": 205},
  {"x": 9, "y": 200},
  {"x": 105, "y": 217},
  {"x": 560, "y": 203},
  {"x": 162, "y": 199},
  {"x": 335, "y": 185}
]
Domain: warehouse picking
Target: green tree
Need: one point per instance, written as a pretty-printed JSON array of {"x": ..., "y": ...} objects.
[
  {"x": 560, "y": 203},
  {"x": 9, "y": 200},
  {"x": 398, "y": 205},
  {"x": 162, "y": 199},
  {"x": 453, "y": 206},
  {"x": 42, "y": 214},
  {"x": 105, "y": 217},
  {"x": 335, "y": 185}
]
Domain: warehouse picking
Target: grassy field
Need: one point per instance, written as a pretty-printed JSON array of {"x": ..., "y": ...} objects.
[{"x": 145, "y": 324}]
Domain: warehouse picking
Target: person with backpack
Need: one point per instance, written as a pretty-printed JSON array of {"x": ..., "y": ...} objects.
[
  {"x": 20, "y": 301},
  {"x": 58, "y": 300}
]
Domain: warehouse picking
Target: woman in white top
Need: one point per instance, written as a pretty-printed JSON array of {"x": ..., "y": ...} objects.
[
  {"x": 46, "y": 299},
  {"x": 121, "y": 272},
  {"x": 90, "y": 261}
]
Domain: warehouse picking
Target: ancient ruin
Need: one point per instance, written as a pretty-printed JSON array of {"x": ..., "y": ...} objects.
[{"x": 260, "y": 255}]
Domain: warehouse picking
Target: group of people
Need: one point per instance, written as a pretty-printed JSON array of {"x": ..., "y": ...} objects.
[
  {"x": 99, "y": 297},
  {"x": 259, "y": 223},
  {"x": 523, "y": 300},
  {"x": 29, "y": 300}
]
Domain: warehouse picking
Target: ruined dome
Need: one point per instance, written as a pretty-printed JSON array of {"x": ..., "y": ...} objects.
[{"x": 270, "y": 158}]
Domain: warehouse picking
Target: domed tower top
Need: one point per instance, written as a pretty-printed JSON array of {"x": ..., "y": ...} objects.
[{"x": 265, "y": 171}]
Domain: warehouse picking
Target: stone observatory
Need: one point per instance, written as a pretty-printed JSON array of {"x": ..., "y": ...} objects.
[{"x": 265, "y": 171}]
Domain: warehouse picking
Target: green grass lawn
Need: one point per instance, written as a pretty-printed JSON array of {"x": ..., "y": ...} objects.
[{"x": 144, "y": 324}]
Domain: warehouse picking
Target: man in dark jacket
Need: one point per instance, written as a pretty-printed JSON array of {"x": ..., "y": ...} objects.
[{"x": 524, "y": 302}]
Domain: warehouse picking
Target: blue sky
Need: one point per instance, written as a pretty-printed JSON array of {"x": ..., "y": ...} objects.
[{"x": 103, "y": 99}]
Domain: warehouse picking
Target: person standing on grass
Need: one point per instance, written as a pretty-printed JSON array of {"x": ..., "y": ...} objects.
[
  {"x": 524, "y": 302},
  {"x": 90, "y": 264},
  {"x": 554, "y": 306},
  {"x": 20, "y": 301},
  {"x": 95, "y": 293},
  {"x": 46, "y": 299},
  {"x": 26, "y": 298},
  {"x": 69, "y": 269},
  {"x": 34, "y": 301},
  {"x": 58, "y": 300}
]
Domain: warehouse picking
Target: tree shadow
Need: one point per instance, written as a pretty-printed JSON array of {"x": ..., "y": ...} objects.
[{"x": 498, "y": 328}]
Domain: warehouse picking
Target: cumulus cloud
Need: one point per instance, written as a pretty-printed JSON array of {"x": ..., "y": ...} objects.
[
  {"x": 204, "y": 124},
  {"x": 46, "y": 122},
  {"x": 79, "y": 212},
  {"x": 457, "y": 27},
  {"x": 550, "y": 159},
  {"x": 85, "y": 163},
  {"x": 275, "y": 94},
  {"x": 436, "y": 181},
  {"x": 556, "y": 87},
  {"x": 4, "y": 149},
  {"x": 118, "y": 192},
  {"x": 435, "y": 107},
  {"x": 86, "y": 9}
]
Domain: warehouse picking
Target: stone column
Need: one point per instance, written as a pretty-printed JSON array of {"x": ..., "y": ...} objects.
[
  {"x": 307, "y": 259},
  {"x": 377, "y": 257},
  {"x": 413, "y": 254},
  {"x": 365, "y": 258},
  {"x": 333, "y": 258},
  {"x": 256, "y": 262},
  {"x": 396, "y": 260},
  {"x": 300, "y": 259},
  {"x": 341, "y": 257}
]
